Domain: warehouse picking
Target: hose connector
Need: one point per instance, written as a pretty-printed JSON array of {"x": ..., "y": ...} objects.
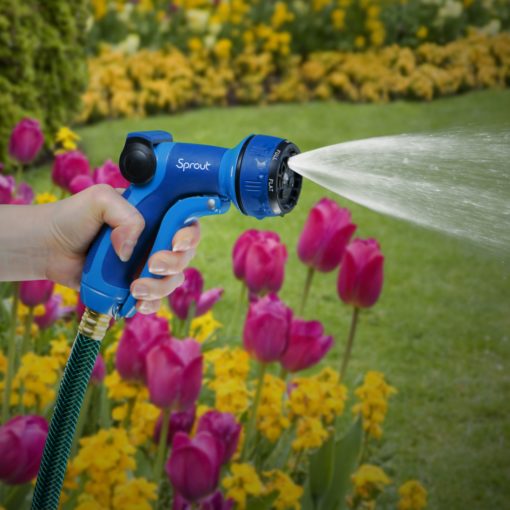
[{"x": 94, "y": 324}]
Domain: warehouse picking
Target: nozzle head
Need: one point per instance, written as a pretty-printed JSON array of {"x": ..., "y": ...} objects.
[{"x": 265, "y": 185}]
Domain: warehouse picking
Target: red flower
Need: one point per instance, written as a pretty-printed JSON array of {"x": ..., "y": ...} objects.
[
  {"x": 67, "y": 166},
  {"x": 35, "y": 292},
  {"x": 194, "y": 465},
  {"x": 267, "y": 328},
  {"x": 140, "y": 335},
  {"x": 21, "y": 447},
  {"x": 307, "y": 345},
  {"x": 361, "y": 273},
  {"x": 324, "y": 238},
  {"x": 26, "y": 140},
  {"x": 174, "y": 373}
]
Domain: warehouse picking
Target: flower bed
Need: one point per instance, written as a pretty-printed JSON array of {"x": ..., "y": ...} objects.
[{"x": 148, "y": 82}]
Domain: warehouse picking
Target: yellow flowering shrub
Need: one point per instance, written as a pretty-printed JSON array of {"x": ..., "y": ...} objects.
[
  {"x": 242, "y": 483},
  {"x": 148, "y": 82},
  {"x": 369, "y": 481},
  {"x": 374, "y": 394},
  {"x": 271, "y": 415},
  {"x": 413, "y": 496}
]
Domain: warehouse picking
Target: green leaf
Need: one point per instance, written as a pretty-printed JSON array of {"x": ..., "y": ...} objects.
[
  {"x": 263, "y": 503},
  {"x": 321, "y": 470},
  {"x": 347, "y": 451}
]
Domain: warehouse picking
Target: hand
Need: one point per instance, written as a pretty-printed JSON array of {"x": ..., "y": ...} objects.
[{"x": 74, "y": 223}]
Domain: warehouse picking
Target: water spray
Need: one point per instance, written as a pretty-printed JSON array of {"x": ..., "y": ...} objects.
[{"x": 172, "y": 185}]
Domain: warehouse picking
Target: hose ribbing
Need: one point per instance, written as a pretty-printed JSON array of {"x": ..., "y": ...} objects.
[{"x": 65, "y": 415}]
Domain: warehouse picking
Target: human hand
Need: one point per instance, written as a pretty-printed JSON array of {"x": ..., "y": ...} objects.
[{"x": 75, "y": 221}]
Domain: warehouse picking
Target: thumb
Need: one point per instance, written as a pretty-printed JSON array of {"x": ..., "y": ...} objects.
[{"x": 126, "y": 222}]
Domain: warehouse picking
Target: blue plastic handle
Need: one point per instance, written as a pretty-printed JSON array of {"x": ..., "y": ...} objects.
[{"x": 183, "y": 213}]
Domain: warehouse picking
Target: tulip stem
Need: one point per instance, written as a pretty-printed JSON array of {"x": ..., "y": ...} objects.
[
  {"x": 163, "y": 437},
  {"x": 306, "y": 290},
  {"x": 187, "y": 323},
  {"x": 250, "y": 430},
  {"x": 350, "y": 341},
  {"x": 29, "y": 319},
  {"x": 238, "y": 310},
  {"x": 11, "y": 353}
]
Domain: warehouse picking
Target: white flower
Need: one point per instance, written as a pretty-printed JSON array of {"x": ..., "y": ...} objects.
[
  {"x": 451, "y": 9},
  {"x": 492, "y": 28},
  {"x": 197, "y": 19},
  {"x": 129, "y": 45}
]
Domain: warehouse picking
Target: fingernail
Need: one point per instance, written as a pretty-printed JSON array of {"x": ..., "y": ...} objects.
[
  {"x": 140, "y": 292},
  {"x": 126, "y": 250},
  {"x": 158, "y": 269},
  {"x": 145, "y": 307},
  {"x": 182, "y": 245}
]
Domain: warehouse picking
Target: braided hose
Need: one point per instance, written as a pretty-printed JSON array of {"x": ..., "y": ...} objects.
[{"x": 72, "y": 389}]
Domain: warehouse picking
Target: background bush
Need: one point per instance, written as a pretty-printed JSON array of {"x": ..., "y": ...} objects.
[{"x": 43, "y": 64}]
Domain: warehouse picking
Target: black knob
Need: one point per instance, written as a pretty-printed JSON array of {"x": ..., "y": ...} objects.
[{"x": 137, "y": 161}]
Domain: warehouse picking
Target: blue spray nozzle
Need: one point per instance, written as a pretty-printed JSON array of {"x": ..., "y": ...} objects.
[{"x": 172, "y": 185}]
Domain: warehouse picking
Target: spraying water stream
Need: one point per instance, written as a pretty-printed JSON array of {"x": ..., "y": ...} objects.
[{"x": 456, "y": 182}]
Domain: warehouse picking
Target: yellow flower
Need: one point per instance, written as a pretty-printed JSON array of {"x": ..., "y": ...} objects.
[
  {"x": 320, "y": 396},
  {"x": 374, "y": 394},
  {"x": 194, "y": 44},
  {"x": 289, "y": 493},
  {"x": 45, "y": 198},
  {"x": 422, "y": 32},
  {"x": 202, "y": 328},
  {"x": 118, "y": 388},
  {"x": 338, "y": 19},
  {"x": 310, "y": 433},
  {"x": 229, "y": 363},
  {"x": 271, "y": 420},
  {"x": 99, "y": 8},
  {"x": 359, "y": 42},
  {"x": 281, "y": 15},
  {"x": 3, "y": 363},
  {"x": 66, "y": 139},
  {"x": 413, "y": 496},
  {"x": 232, "y": 395},
  {"x": 134, "y": 494},
  {"x": 60, "y": 350},
  {"x": 369, "y": 481},
  {"x": 69, "y": 296},
  {"x": 242, "y": 483},
  {"x": 107, "y": 469},
  {"x": 222, "y": 48},
  {"x": 36, "y": 377}
]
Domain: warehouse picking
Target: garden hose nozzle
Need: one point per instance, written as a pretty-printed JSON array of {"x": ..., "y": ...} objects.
[{"x": 172, "y": 185}]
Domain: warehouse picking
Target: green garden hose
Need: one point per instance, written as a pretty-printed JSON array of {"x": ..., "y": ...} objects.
[{"x": 67, "y": 410}]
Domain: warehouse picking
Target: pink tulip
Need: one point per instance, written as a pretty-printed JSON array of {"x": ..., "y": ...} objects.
[
  {"x": 21, "y": 447},
  {"x": 67, "y": 166},
  {"x": 80, "y": 182},
  {"x": 307, "y": 345},
  {"x": 361, "y": 273},
  {"x": 190, "y": 292},
  {"x": 267, "y": 328},
  {"x": 35, "y": 292},
  {"x": 242, "y": 245},
  {"x": 180, "y": 421},
  {"x": 325, "y": 235},
  {"x": 110, "y": 174},
  {"x": 7, "y": 185},
  {"x": 215, "y": 501},
  {"x": 26, "y": 140},
  {"x": 265, "y": 265},
  {"x": 140, "y": 335},
  {"x": 194, "y": 465},
  {"x": 174, "y": 373},
  {"x": 53, "y": 311},
  {"x": 24, "y": 194},
  {"x": 99, "y": 370},
  {"x": 225, "y": 428}
]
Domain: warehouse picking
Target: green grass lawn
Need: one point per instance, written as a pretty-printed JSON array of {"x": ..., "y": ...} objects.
[{"x": 441, "y": 331}]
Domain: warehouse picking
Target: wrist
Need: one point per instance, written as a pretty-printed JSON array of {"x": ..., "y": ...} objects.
[{"x": 24, "y": 246}]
